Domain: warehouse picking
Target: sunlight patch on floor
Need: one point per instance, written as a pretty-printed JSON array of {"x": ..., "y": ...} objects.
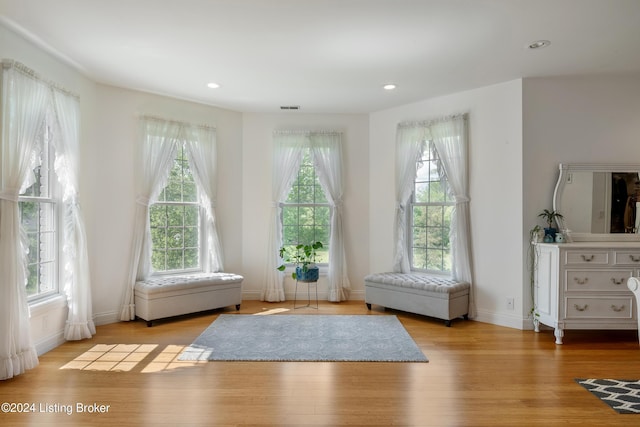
[
  {"x": 126, "y": 357},
  {"x": 271, "y": 311}
]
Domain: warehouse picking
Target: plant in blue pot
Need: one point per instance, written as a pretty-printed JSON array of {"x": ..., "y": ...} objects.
[
  {"x": 549, "y": 217},
  {"x": 304, "y": 258}
]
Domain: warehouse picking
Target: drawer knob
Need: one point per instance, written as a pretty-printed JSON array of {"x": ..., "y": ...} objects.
[
  {"x": 577, "y": 307},
  {"x": 581, "y": 281},
  {"x": 617, "y": 282},
  {"x": 634, "y": 258},
  {"x": 617, "y": 309},
  {"x": 589, "y": 258}
]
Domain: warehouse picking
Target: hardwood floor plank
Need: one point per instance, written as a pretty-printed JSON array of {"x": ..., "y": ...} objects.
[{"x": 477, "y": 375}]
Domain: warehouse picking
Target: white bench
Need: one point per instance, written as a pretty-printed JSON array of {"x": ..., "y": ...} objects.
[
  {"x": 428, "y": 295},
  {"x": 166, "y": 296}
]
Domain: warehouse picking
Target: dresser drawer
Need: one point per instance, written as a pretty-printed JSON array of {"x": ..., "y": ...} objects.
[
  {"x": 586, "y": 257},
  {"x": 597, "y": 280},
  {"x": 627, "y": 258},
  {"x": 599, "y": 308}
]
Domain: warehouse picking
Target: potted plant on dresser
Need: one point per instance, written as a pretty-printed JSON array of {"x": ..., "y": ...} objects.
[
  {"x": 549, "y": 217},
  {"x": 304, "y": 258}
]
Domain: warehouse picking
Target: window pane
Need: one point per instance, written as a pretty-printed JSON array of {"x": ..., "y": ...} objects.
[
  {"x": 174, "y": 259},
  {"x": 420, "y": 236},
  {"x": 191, "y": 215},
  {"x": 29, "y": 215},
  {"x": 175, "y": 238},
  {"x": 190, "y": 194},
  {"x": 191, "y": 258},
  {"x": 420, "y": 258},
  {"x": 175, "y": 226},
  {"x": 305, "y": 194},
  {"x": 319, "y": 194},
  {"x": 421, "y": 192},
  {"x": 175, "y": 216},
  {"x": 306, "y": 216},
  {"x": 158, "y": 259},
  {"x": 290, "y": 215},
  {"x": 290, "y": 235},
  {"x": 191, "y": 237},
  {"x": 430, "y": 216},
  {"x": 420, "y": 216},
  {"x": 434, "y": 260},
  {"x": 323, "y": 215}
]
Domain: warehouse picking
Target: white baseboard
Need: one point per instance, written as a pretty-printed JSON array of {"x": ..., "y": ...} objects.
[
  {"x": 50, "y": 342},
  {"x": 500, "y": 319},
  {"x": 106, "y": 318},
  {"x": 322, "y": 296}
]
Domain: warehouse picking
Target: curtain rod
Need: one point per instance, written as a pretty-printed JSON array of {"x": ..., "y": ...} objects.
[
  {"x": 430, "y": 122},
  {"x": 20, "y": 67},
  {"x": 306, "y": 132},
  {"x": 178, "y": 122}
]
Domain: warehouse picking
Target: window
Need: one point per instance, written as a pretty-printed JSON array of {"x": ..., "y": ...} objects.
[
  {"x": 306, "y": 215},
  {"x": 38, "y": 217},
  {"x": 430, "y": 216},
  {"x": 175, "y": 221}
]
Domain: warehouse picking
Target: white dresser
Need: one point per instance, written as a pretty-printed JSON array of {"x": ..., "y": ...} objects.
[{"x": 583, "y": 285}]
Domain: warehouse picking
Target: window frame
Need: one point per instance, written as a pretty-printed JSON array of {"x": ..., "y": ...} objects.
[
  {"x": 322, "y": 265},
  {"x": 201, "y": 250},
  {"x": 426, "y": 156},
  {"x": 47, "y": 155}
]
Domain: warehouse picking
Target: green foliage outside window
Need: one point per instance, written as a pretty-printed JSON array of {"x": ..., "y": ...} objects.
[
  {"x": 175, "y": 221},
  {"x": 306, "y": 215},
  {"x": 431, "y": 211}
]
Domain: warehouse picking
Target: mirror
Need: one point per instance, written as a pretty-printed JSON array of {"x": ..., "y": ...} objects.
[{"x": 599, "y": 201}]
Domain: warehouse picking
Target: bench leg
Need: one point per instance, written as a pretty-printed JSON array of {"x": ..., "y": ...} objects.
[
  {"x": 237, "y": 307},
  {"x": 368, "y": 305}
]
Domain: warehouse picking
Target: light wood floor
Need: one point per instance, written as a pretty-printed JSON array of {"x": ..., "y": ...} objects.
[{"x": 477, "y": 375}]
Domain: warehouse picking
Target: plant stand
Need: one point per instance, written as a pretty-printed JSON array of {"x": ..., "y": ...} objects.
[{"x": 309, "y": 283}]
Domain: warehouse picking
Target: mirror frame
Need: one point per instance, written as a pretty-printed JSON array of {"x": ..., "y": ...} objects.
[{"x": 565, "y": 170}]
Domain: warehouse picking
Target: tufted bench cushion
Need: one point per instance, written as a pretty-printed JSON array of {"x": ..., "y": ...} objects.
[
  {"x": 166, "y": 296},
  {"x": 419, "y": 293}
]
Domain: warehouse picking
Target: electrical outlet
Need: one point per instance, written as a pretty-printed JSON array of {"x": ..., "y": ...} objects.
[{"x": 510, "y": 303}]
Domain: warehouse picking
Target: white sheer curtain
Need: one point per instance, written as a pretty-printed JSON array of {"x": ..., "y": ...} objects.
[
  {"x": 326, "y": 149},
  {"x": 287, "y": 156},
  {"x": 24, "y": 104},
  {"x": 155, "y": 153},
  {"x": 450, "y": 137},
  {"x": 75, "y": 260},
  {"x": 410, "y": 142},
  {"x": 201, "y": 146}
]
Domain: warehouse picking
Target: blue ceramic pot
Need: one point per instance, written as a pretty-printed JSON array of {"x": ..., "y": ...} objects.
[{"x": 311, "y": 275}]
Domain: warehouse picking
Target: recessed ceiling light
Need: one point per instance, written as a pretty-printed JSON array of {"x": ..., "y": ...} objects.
[
  {"x": 389, "y": 86},
  {"x": 213, "y": 85},
  {"x": 538, "y": 44}
]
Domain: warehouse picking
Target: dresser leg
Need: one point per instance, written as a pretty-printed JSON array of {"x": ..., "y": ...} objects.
[{"x": 559, "y": 333}]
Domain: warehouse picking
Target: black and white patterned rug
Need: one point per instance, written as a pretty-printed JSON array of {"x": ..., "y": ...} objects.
[{"x": 622, "y": 395}]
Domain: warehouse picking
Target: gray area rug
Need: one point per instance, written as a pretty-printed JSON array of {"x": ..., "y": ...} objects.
[
  {"x": 622, "y": 395},
  {"x": 356, "y": 338}
]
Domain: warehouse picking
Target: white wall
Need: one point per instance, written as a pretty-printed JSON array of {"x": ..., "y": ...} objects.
[
  {"x": 256, "y": 194},
  {"x": 48, "y": 320},
  {"x": 112, "y": 201},
  {"x": 495, "y": 151},
  {"x": 107, "y": 179},
  {"x": 575, "y": 120}
]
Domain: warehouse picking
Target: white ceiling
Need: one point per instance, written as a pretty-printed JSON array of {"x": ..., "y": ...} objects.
[{"x": 328, "y": 56}]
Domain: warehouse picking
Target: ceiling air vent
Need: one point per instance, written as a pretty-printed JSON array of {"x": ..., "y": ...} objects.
[{"x": 289, "y": 107}]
